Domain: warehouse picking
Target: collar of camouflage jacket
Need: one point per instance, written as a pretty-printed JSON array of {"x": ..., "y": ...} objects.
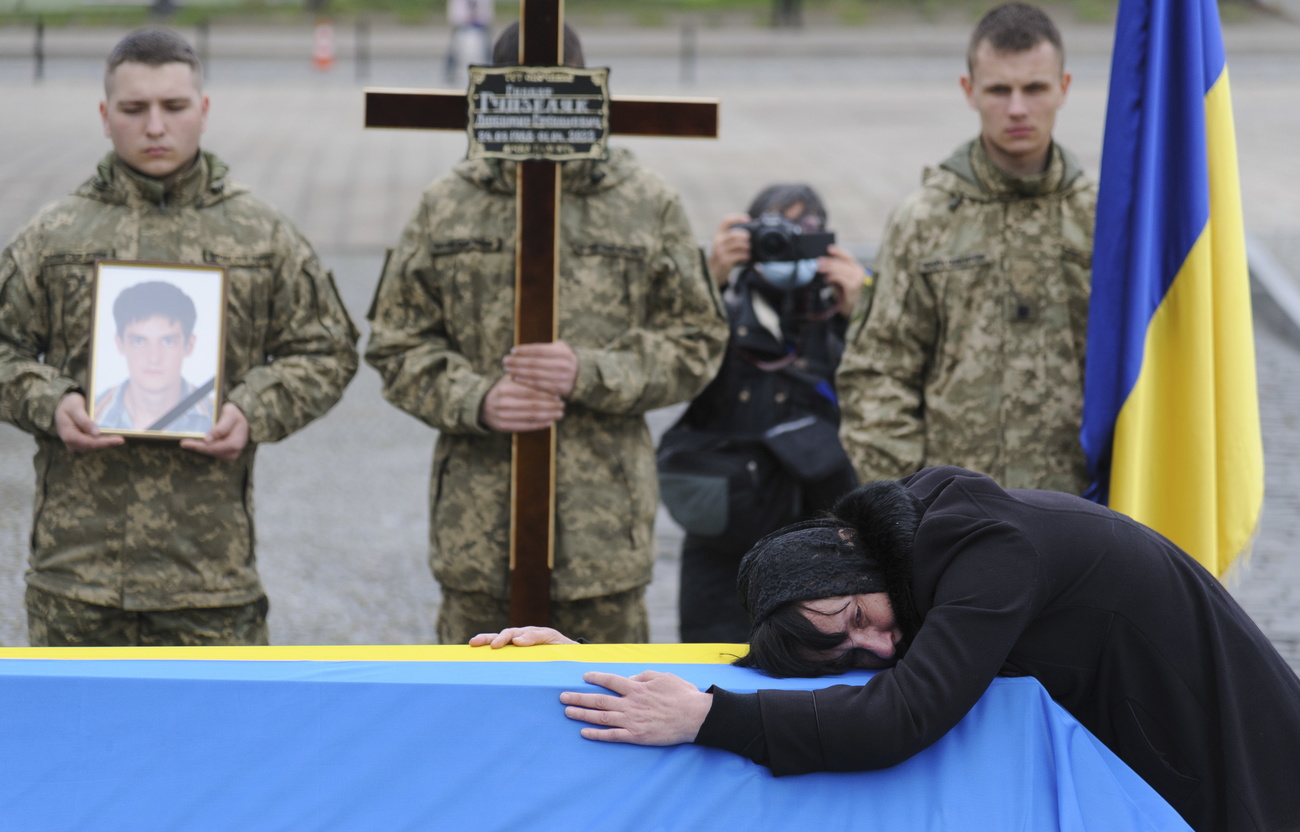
[
  {"x": 973, "y": 175},
  {"x": 585, "y": 176},
  {"x": 204, "y": 184}
]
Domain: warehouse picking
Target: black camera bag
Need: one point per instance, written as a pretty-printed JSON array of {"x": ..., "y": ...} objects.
[{"x": 728, "y": 488}]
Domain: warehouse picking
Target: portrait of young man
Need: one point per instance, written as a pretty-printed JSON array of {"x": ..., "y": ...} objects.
[{"x": 154, "y": 335}]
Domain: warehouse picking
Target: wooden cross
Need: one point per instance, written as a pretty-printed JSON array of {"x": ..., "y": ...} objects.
[{"x": 532, "y": 485}]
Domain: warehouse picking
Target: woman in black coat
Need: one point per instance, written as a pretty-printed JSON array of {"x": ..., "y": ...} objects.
[{"x": 947, "y": 580}]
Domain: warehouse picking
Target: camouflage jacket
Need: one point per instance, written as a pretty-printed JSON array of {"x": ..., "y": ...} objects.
[
  {"x": 972, "y": 352},
  {"x": 147, "y": 525},
  {"x": 635, "y": 305}
]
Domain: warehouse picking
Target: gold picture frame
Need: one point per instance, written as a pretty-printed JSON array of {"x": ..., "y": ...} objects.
[{"x": 157, "y": 348}]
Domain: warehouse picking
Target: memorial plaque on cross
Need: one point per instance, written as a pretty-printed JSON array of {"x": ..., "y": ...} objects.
[{"x": 541, "y": 49}]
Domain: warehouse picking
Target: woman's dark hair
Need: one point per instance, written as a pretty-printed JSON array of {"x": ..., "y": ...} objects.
[
  {"x": 786, "y": 643},
  {"x": 778, "y": 198},
  {"x": 883, "y": 517}
]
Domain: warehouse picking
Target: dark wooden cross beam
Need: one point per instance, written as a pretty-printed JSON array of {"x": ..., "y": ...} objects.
[
  {"x": 629, "y": 115},
  {"x": 532, "y": 487}
]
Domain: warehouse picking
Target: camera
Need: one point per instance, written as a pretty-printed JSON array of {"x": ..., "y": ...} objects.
[{"x": 774, "y": 237}]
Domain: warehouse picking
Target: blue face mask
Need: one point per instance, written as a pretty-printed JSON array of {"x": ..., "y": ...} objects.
[{"x": 789, "y": 274}]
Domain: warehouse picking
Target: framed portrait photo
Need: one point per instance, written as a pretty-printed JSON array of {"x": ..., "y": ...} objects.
[{"x": 156, "y": 348}]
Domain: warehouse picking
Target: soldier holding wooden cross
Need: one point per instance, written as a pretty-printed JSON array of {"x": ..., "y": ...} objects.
[{"x": 639, "y": 326}]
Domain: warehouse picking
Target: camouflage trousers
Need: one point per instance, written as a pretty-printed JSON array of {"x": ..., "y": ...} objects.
[
  {"x": 55, "y": 621},
  {"x": 620, "y": 618}
]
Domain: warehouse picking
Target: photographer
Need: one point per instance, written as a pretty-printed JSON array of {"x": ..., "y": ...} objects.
[{"x": 758, "y": 449}]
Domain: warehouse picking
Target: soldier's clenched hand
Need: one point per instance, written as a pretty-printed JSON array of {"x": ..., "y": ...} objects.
[
  {"x": 548, "y": 368},
  {"x": 76, "y": 429},
  {"x": 650, "y": 708},
  {"x": 227, "y": 438},
  {"x": 510, "y": 407}
]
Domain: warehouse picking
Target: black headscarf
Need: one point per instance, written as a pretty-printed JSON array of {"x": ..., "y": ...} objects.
[{"x": 803, "y": 562}]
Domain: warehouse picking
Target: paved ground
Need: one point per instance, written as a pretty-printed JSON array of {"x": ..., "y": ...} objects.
[{"x": 856, "y": 112}]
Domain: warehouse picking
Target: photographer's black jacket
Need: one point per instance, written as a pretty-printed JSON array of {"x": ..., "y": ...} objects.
[
  {"x": 751, "y": 393},
  {"x": 1133, "y": 637}
]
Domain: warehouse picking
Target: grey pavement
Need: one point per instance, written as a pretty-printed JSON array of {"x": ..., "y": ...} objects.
[{"x": 342, "y": 516}]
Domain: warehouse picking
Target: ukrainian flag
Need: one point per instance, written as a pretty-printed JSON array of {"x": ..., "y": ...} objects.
[{"x": 1171, "y": 414}]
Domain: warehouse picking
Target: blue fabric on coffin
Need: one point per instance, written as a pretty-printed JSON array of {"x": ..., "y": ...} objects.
[{"x": 361, "y": 745}]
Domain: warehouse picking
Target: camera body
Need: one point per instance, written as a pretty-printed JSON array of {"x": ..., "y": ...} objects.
[{"x": 774, "y": 237}]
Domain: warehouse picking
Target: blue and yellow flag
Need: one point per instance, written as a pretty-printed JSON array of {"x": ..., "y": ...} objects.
[{"x": 1171, "y": 414}]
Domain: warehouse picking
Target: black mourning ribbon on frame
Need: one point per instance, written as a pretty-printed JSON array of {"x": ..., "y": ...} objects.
[{"x": 185, "y": 404}]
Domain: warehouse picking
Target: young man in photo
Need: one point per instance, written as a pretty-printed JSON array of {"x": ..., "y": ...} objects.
[{"x": 155, "y": 334}]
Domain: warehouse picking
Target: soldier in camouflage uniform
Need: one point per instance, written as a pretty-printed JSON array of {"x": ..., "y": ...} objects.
[
  {"x": 972, "y": 351},
  {"x": 640, "y": 327},
  {"x": 147, "y": 541}
]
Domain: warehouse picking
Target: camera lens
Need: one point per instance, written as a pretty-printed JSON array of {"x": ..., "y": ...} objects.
[{"x": 771, "y": 243}]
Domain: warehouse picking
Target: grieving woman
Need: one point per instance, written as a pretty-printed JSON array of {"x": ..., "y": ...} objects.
[{"x": 946, "y": 580}]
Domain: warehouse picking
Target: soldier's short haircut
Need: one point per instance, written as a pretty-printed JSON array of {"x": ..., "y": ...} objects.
[
  {"x": 780, "y": 197},
  {"x": 153, "y": 47},
  {"x": 154, "y": 298},
  {"x": 505, "y": 52},
  {"x": 1012, "y": 28}
]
